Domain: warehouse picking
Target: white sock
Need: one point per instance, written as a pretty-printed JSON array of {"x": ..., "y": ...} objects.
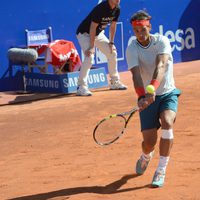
[
  {"x": 147, "y": 156},
  {"x": 162, "y": 163}
]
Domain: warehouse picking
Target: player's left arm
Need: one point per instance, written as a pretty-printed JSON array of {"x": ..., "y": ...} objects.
[
  {"x": 159, "y": 72},
  {"x": 161, "y": 64},
  {"x": 163, "y": 56}
]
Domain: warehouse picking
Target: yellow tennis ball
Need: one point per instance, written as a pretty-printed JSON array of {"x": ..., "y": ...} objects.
[{"x": 150, "y": 89}]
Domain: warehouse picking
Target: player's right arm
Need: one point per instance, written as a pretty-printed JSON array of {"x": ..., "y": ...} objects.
[
  {"x": 136, "y": 77},
  {"x": 133, "y": 65},
  {"x": 92, "y": 33},
  {"x": 143, "y": 102}
]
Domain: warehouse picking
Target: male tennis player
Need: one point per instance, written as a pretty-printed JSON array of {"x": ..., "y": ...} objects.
[
  {"x": 90, "y": 33},
  {"x": 150, "y": 60}
]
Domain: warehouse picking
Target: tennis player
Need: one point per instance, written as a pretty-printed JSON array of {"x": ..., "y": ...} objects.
[
  {"x": 150, "y": 61},
  {"x": 90, "y": 33}
]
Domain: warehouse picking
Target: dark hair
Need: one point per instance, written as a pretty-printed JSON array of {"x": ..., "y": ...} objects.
[{"x": 140, "y": 15}]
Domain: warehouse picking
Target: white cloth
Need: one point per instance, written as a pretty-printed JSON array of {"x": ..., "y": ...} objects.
[
  {"x": 145, "y": 59},
  {"x": 101, "y": 42}
]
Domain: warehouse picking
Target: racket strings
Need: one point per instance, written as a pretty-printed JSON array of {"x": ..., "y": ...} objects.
[{"x": 109, "y": 130}]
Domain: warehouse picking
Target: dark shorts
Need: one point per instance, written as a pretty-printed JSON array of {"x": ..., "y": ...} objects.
[{"x": 149, "y": 117}]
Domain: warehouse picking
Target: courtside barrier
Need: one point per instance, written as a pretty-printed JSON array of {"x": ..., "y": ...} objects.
[{"x": 178, "y": 20}]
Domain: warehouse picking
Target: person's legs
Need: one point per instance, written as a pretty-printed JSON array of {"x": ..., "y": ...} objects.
[
  {"x": 167, "y": 118},
  {"x": 102, "y": 43},
  {"x": 84, "y": 41},
  {"x": 149, "y": 120},
  {"x": 168, "y": 109},
  {"x": 148, "y": 145},
  {"x": 149, "y": 140}
]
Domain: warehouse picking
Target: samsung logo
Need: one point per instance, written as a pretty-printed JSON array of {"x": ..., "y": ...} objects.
[
  {"x": 37, "y": 37},
  {"x": 42, "y": 83},
  {"x": 92, "y": 79}
]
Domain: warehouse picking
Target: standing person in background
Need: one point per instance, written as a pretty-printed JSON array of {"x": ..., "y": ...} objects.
[
  {"x": 150, "y": 61},
  {"x": 90, "y": 33}
]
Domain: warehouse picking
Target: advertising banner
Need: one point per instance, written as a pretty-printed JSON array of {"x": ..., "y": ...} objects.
[
  {"x": 64, "y": 83},
  {"x": 178, "y": 20}
]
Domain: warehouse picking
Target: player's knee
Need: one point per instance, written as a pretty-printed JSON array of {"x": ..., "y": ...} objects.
[
  {"x": 167, "y": 122},
  {"x": 167, "y": 134},
  {"x": 167, "y": 119}
]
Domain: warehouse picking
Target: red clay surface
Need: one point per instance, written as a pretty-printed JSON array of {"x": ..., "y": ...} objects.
[{"x": 47, "y": 150}]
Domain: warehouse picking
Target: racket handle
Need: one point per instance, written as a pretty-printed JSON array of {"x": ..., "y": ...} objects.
[{"x": 136, "y": 108}]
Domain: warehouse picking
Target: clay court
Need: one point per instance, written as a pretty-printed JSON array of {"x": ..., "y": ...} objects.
[{"x": 47, "y": 149}]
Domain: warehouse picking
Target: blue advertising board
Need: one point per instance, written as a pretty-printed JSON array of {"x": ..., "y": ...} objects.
[
  {"x": 64, "y": 83},
  {"x": 15, "y": 83},
  {"x": 52, "y": 83},
  {"x": 178, "y": 20}
]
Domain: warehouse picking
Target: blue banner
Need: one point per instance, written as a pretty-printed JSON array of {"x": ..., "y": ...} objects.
[
  {"x": 178, "y": 20},
  {"x": 65, "y": 83},
  {"x": 15, "y": 83}
]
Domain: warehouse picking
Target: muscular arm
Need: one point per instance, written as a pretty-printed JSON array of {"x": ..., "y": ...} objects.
[
  {"x": 137, "y": 79},
  {"x": 161, "y": 63},
  {"x": 138, "y": 83}
]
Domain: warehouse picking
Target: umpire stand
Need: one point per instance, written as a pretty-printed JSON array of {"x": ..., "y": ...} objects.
[{"x": 39, "y": 40}]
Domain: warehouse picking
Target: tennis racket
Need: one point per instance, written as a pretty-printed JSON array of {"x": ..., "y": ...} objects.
[{"x": 112, "y": 127}]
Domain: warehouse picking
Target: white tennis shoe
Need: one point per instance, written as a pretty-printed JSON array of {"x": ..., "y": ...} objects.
[
  {"x": 83, "y": 91},
  {"x": 117, "y": 85}
]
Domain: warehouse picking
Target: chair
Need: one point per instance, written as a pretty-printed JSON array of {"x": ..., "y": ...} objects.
[
  {"x": 63, "y": 56},
  {"x": 38, "y": 39}
]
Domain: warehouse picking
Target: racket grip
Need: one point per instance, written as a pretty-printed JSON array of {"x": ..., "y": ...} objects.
[{"x": 137, "y": 108}]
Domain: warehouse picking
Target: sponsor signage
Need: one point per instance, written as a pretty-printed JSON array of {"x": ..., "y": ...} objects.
[{"x": 64, "y": 83}]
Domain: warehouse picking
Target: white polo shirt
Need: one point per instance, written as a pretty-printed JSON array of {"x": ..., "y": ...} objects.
[{"x": 145, "y": 59}]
